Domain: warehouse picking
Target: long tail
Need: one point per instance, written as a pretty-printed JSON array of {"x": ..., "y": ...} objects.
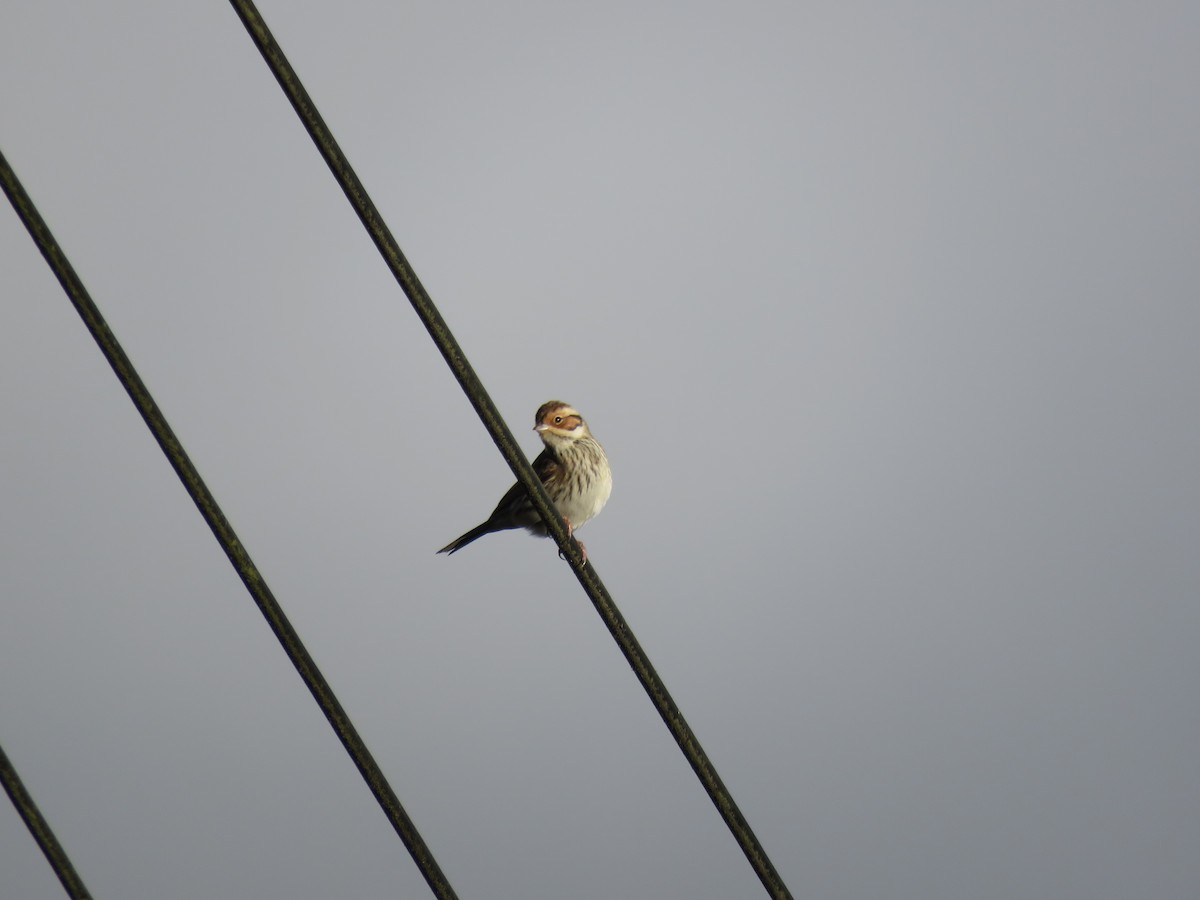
[{"x": 473, "y": 535}]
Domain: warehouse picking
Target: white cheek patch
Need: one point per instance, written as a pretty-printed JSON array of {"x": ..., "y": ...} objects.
[{"x": 565, "y": 430}]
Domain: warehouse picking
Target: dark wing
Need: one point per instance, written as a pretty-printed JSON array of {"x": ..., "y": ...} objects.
[{"x": 514, "y": 509}]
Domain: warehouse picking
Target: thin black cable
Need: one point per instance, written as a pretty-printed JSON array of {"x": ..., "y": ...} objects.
[
  {"x": 40, "y": 829},
  {"x": 224, "y": 533},
  {"x": 482, "y": 402}
]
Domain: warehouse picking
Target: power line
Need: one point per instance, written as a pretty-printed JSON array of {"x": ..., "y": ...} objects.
[
  {"x": 40, "y": 829},
  {"x": 224, "y": 533},
  {"x": 500, "y": 433}
]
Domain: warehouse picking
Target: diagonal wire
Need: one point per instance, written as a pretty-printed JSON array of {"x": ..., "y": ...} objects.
[
  {"x": 40, "y": 829},
  {"x": 226, "y": 537},
  {"x": 500, "y": 433}
]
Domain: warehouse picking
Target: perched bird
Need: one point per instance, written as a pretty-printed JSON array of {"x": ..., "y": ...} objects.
[{"x": 573, "y": 468}]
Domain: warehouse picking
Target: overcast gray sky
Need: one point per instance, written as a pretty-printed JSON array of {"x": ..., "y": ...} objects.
[{"x": 886, "y": 314}]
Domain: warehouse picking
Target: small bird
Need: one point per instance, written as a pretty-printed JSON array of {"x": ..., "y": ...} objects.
[{"x": 574, "y": 470}]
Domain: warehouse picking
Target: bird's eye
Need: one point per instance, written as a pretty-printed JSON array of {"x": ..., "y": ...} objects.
[{"x": 558, "y": 420}]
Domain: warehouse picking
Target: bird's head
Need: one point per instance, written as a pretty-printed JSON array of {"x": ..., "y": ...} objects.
[{"x": 559, "y": 424}]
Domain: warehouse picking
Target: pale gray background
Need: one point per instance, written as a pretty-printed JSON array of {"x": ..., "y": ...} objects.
[{"x": 886, "y": 315}]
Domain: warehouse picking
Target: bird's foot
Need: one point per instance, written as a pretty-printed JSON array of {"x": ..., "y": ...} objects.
[
  {"x": 571, "y": 534},
  {"x": 582, "y": 551}
]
